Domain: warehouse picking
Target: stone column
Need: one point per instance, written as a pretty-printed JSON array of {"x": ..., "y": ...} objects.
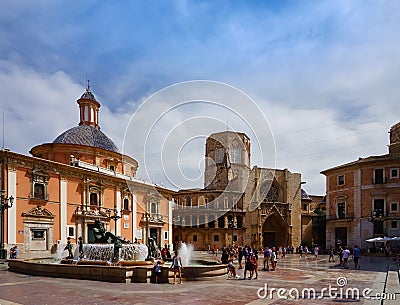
[
  {"x": 12, "y": 213},
  {"x": 63, "y": 210}
]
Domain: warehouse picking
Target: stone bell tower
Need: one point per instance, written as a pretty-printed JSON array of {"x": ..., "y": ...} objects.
[
  {"x": 394, "y": 146},
  {"x": 227, "y": 161}
]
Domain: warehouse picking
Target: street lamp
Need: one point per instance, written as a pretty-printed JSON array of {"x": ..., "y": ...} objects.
[
  {"x": 115, "y": 217},
  {"x": 376, "y": 216},
  {"x": 231, "y": 224},
  {"x": 5, "y": 204}
]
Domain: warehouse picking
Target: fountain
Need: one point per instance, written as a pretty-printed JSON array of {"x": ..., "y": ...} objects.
[
  {"x": 115, "y": 262},
  {"x": 185, "y": 251}
]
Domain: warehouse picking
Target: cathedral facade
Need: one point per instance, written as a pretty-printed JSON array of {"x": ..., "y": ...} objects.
[{"x": 239, "y": 205}]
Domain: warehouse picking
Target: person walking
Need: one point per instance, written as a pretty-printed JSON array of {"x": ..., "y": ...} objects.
[
  {"x": 267, "y": 255},
  {"x": 346, "y": 254},
  {"x": 274, "y": 259},
  {"x": 331, "y": 254},
  {"x": 356, "y": 257},
  {"x": 177, "y": 267},
  {"x": 316, "y": 252}
]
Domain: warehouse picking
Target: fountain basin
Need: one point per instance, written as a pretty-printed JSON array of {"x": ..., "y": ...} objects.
[{"x": 117, "y": 274}]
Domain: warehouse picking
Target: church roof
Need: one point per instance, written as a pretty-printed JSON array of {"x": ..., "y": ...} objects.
[
  {"x": 88, "y": 95},
  {"x": 88, "y": 136},
  {"x": 304, "y": 195}
]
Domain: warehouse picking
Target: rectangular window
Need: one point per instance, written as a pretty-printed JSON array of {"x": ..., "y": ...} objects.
[
  {"x": 216, "y": 237},
  {"x": 341, "y": 180},
  {"x": 112, "y": 168},
  {"x": 38, "y": 191},
  {"x": 71, "y": 231},
  {"x": 394, "y": 224},
  {"x": 394, "y": 173},
  {"x": 93, "y": 199},
  {"x": 379, "y": 176},
  {"x": 126, "y": 225},
  {"x": 394, "y": 206},
  {"x": 379, "y": 207},
  {"x": 305, "y": 206},
  {"x": 235, "y": 238},
  {"x": 38, "y": 234},
  {"x": 341, "y": 210},
  {"x": 194, "y": 237},
  {"x": 165, "y": 235}
]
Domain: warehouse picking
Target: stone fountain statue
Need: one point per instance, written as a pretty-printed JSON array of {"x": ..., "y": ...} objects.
[
  {"x": 153, "y": 249},
  {"x": 80, "y": 247},
  {"x": 69, "y": 248},
  {"x": 102, "y": 236}
]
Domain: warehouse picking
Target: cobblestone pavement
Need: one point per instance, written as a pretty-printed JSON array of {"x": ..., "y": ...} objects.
[{"x": 294, "y": 274}]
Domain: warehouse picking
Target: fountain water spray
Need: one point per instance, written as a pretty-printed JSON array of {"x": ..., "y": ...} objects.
[{"x": 185, "y": 252}]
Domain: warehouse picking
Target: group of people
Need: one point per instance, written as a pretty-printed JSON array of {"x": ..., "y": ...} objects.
[
  {"x": 344, "y": 255},
  {"x": 176, "y": 267}
]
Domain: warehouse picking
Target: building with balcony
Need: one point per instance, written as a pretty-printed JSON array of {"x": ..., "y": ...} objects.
[
  {"x": 64, "y": 186},
  {"x": 362, "y": 198}
]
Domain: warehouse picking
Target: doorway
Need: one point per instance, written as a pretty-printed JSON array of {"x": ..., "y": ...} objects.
[
  {"x": 154, "y": 235},
  {"x": 90, "y": 236},
  {"x": 341, "y": 236},
  {"x": 269, "y": 239}
]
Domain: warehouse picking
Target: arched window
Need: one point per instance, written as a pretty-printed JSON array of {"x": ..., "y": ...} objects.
[
  {"x": 221, "y": 222},
  {"x": 235, "y": 153},
  {"x": 201, "y": 202},
  {"x": 194, "y": 221},
  {"x": 154, "y": 208},
  {"x": 239, "y": 222},
  {"x": 188, "y": 201},
  {"x": 202, "y": 221},
  {"x": 126, "y": 204},
  {"x": 219, "y": 155}
]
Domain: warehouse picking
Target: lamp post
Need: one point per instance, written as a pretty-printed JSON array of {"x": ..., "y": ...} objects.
[
  {"x": 115, "y": 217},
  {"x": 5, "y": 204},
  {"x": 231, "y": 224},
  {"x": 376, "y": 215},
  {"x": 377, "y": 218}
]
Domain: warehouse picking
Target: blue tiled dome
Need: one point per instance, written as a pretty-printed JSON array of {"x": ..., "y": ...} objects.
[{"x": 88, "y": 136}]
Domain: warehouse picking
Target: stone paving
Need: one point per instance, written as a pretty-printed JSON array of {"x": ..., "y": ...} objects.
[{"x": 293, "y": 274}]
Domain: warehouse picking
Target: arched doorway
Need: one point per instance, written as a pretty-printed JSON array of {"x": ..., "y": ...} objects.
[{"x": 274, "y": 231}]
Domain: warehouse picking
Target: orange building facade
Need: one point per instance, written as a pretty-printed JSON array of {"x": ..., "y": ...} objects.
[
  {"x": 66, "y": 185},
  {"x": 362, "y": 199}
]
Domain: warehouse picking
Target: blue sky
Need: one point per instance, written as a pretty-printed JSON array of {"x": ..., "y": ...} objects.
[{"x": 325, "y": 73}]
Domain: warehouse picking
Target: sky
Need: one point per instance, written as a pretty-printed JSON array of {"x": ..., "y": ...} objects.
[{"x": 324, "y": 74}]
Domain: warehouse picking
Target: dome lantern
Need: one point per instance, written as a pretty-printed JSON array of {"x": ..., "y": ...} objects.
[{"x": 89, "y": 109}]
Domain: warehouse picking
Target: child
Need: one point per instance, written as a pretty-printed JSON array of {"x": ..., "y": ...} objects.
[
  {"x": 232, "y": 269},
  {"x": 157, "y": 271}
]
